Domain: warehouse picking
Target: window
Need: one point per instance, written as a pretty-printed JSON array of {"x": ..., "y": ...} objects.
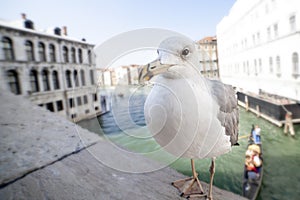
[
  {"x": 260, "y": 65},
  {"x": 76, "y": 79},
  {"x": 269, "y": 33},
  {"x": 248, "y": 71},
  {"x": 34, "y": 83},
  {"x": 80, "y": 55},
  {"x": 59, "y": 105},
  {"x": 29, "y": 50},
  {"x": 295, "y": 61},
  {"x": 55, "y": 80},
  {"x": 95, "y": 97},
  {"x": 255, "y": 67},
  {"x": 52, "y": 53},
  {"x": 271, "y": 65},
  {"x": 92, "y": 77},
  {"x": 79, "y": 102},
  {"x": 266, "y": 8},
  {"x": 73, "y": 55},
  {"x": 45, "y": 79},
  {"x": 73, "y": 116},
  {"x": 50, "y": 107},
  {"x": 293, "y": 23},
  {"x": 275, "y": 30},
  {"x": 278, "y": 70},
  {"x": 90, "y": 57},
  {"x": 68, "y": 78},
  {"x": 82, "y": 77},
  {"x": 71, "y": 103},
  {"x": 65, "y": 54},
  {"x": 13, "y": 81},
  {"x": 7, "y": 48},
  {"x": 253, "y": 39},
  {"x": 41, "y": 50},
  {"x": 85, "y": 99}
]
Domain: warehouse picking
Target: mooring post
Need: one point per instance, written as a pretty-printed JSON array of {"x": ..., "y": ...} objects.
[
  {"x": 257, "y": 110},
  {"x": 246, "y": 103},
  {"x": 288, "y": 125}
]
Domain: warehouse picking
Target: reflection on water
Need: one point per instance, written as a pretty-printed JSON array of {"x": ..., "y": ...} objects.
[{"x": 281, "y": 153}]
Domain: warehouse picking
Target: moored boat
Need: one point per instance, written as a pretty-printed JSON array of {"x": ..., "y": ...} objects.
[{"x": 253, "y": 168}]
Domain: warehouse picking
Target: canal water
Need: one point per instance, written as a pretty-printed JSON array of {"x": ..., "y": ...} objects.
[{"x": 281, "y": 153}]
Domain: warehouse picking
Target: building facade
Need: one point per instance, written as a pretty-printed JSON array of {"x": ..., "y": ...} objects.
[
  {"x": 207, "y": 49},
  {"x": 258, "y": 47},
  {"x": 50, "y": 68}
]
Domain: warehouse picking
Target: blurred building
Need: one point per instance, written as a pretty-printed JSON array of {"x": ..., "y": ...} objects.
[
  {"x": 123, "y": 75},
  {"x": 258, "y": 47},
  {"x": 48, "y": 67},
  {"x": 207, "y": 49}
]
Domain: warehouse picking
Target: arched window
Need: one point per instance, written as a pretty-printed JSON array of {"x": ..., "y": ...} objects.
[
  {"x": 68, "y": 78},
  {"x": 13, "y": 81},
  {"x": 90, "y": 57},
  {"x": 271, "y": 64},
  {"x": 34, "y": 83},
  {"x": 41, "y": 50},
  {"x": 73, "y": 55},
  {"x": 92, "y": 77},
  {"x": 7, "y": 47},
  {"x": 278, "y": 68},
  {"x": 76, "y": 79},
  {"x": 247, "y": 67},
  {"x": 295, "y": 61},
  {"x": 260, "y": 65},
  {"x": 255, "y": 67},
  {"x": 65, "y": 54},
  {"x": 29, "y": 50},
  {"x": 55, "y": 80},
  {"x": 52, "y": 53},
  {"x": 45, "y": 79},
  {"x": 80, "y": 55},
  {"x": 82, "y": 77}
]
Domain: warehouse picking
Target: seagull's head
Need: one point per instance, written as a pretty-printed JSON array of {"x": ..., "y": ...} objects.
[{"x": 177, "y": 58}]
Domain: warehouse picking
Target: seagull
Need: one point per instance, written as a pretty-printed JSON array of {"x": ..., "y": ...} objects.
[{"x": 188, "y": 115}]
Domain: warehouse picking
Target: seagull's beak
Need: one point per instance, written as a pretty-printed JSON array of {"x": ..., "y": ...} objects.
[{"x": 151, "y": 69}]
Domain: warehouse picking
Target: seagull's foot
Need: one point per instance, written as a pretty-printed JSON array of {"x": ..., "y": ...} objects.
[{"x": 189, "y": 187}]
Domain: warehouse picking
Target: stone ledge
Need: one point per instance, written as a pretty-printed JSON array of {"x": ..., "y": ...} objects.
[{"x": 42, "y": 156}]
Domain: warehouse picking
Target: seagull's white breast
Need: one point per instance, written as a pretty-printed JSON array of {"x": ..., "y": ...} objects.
[{"x": 182, "y": 117}]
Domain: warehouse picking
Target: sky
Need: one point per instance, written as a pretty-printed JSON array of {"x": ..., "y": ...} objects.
[{"x": 97, "y": 21}]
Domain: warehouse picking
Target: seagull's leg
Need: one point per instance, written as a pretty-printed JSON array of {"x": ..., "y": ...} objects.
[
  {"x": 187, "y": 184},
  {"x": 195, "y": 175},
  {"x": 212, "y": 173}
]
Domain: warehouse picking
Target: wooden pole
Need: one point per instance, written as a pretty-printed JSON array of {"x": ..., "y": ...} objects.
[
  {"x": 288, "y": 125},
  {"x": 258, "y": 112},
  {"x": 246, "y": 103}
]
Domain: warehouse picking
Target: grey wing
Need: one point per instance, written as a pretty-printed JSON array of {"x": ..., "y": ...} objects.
[{"x": 225, "y": 96}]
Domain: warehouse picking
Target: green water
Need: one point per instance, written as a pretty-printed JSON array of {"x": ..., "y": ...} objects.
[{"x": 280, "y": 153}]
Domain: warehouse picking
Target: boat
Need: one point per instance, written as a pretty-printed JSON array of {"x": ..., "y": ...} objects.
[
  {"x": 253, "y": 179},
  {"x": 271, "y": 107}
]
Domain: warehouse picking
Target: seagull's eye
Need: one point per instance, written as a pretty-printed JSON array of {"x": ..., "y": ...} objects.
[{"x": 185, "y": 52}]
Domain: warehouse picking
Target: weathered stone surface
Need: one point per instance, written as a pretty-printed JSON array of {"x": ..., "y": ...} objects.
[
  {"x": 81, "y": 176},
  {"x": 32, "y": 137},
  {"x": 42, "y": 157}
]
